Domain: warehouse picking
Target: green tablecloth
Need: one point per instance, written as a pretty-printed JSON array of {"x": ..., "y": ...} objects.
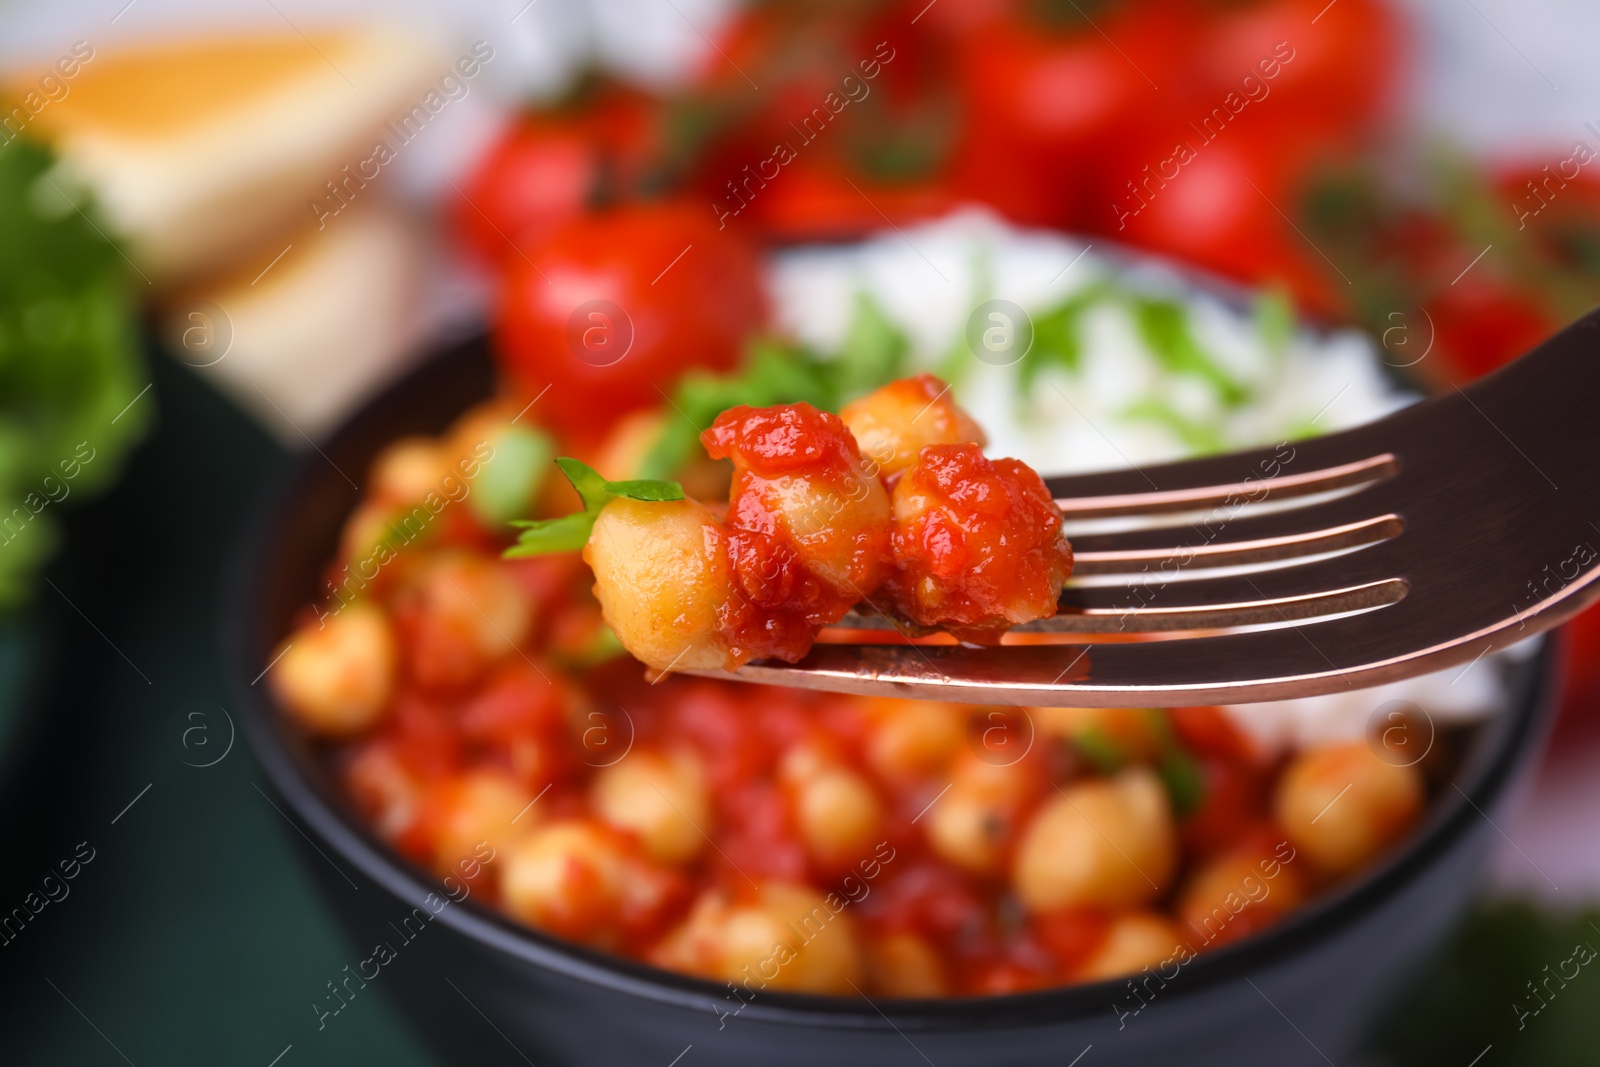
[{"x": 193, "y": 936}]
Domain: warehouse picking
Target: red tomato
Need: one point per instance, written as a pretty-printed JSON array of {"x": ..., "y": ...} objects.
[
  {"x": 1222, "y": 204},
  {"x": 1231, "y": 800},
  {"x": 1045, "y": 108},
  {"x": 614, "y": 306},
  {"x": 849, "y": 127},
  {"x": 519, "y": 700},
  {"x": 819, "y": 198},
  {"x": 1482, "y": 323},
  {"x": 548, "y": 168},
  {"x": 1583, "y": 662},
  {"x": 1330, "y": 77},
  {"x": 1208, "y": 732},
  {"x": 1072, "y": 935}
]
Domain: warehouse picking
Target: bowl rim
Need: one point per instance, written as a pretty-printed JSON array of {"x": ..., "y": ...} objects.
[{"x": 1522, "y": 724}]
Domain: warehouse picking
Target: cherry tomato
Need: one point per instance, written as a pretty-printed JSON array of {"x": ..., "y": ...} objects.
[
  {"x": 848, "y": 127},
  {"x": 547, "y": 168},
  {"x": 1583, "y": 664},
  {"x": 821, "y": 198},
  {"x": 1230, "y": 801},
  {"x": 612, "y": 307},
  {"x": 1072, "y": 935},
  {"x": 1049, "y": 105},
  {"x": 1329, "y": 78},
  {"x": 1483, "y": 323},
  {"x": 1226, "y": 205}
]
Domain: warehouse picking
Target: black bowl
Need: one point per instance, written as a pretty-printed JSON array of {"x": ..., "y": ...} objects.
[{"x": 487, "y": 990}]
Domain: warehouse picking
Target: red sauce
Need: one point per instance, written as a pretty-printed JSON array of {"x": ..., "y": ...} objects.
[
  {"x": 978, "y": 545},
  {"x": 808, "y": 528}
]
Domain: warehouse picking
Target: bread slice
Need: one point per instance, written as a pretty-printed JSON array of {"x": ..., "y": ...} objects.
[{"x": 201, "y": 148}]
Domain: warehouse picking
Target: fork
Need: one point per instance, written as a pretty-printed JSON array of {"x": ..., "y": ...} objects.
[{"x": 1453, "y": 527}]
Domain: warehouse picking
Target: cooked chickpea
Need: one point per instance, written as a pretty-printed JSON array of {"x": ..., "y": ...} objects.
[
  {"x": 1134, "y": 941},
  {"x": 566, "y": 877},
  {"x": 661, "y": 797},
  {"x": 1240, "y": 891},
  {"x": 661, "y": 575},
  {"x": 625, "y": 448},
  {"x": 1128, "y": 733},
  {"x": 913, "y": 738},
  {"x": 471, "y": 437},
  {"x": 366, "y": 527},
  {"x": 475, "y": 816},
  {"x": 905, "y": 965},
  {"x": 469, "y": 613},
  {"x": 1343, "y": 805},
  {"x": 892, "y": 424},
  {"x": 408, "y": 470},
  {"x": 808, "y": 525},
  {"x": 383, "y": 787},
  {"x": 335, "y": 676},
  {"x": 1108, "y": 842},
  {"x": 828, "y": 521},
  {"x": 978, "y": 546},
  {"x": 973, "y": 824},
  {"x": 839, "y": 816},
  {"x": 790, "y": 937}
]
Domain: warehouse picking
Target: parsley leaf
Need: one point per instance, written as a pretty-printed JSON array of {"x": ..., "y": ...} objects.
[
  {"x": 646, "y": 489},
  {"x": 570, "y": 533}
]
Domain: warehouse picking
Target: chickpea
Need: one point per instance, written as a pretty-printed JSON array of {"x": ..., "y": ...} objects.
[
  {"x": 566, "y": 877},
  {"x": 1343, "y": 805},
  {"x": 1108, "y": 842},
  {"x": 661, "y": 575},
  {"x": 408, "y": 470},
  {"x": 808, "y": 525},
  {"x": 335, "y": 676},
  {"x": 470, "y": 613},
  {"x": 471, "y": 437},
  {"x": 839, "y": 816},
  {"x": 1244, "y": 889},
  {"x": 628, "y": 444},
  {"x": 383, "y": 787},
  {"x": 661, "y": 797},
  {"x": 978, "y": 546},
  {"x": 1129, "y": 733},
  {"x": 474, "y": 816},
  {"x": 905, "y": 965},
  {"x": 1134, "y": 941},
  {"x": 837, "y": 525},
  {"x": 789, "y": 937},
  {"x": 910, "y": 739},
  {"x": 973, "y": 824},
  {"x": 892, "y": 424},
  {"x": 366, "y": 527}
]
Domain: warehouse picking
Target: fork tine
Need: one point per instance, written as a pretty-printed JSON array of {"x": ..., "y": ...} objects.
[
  {"x": 1201, "y": 670},
  {"x": 1199, "y": 484},
  {"x": 1228, "y": 540}
]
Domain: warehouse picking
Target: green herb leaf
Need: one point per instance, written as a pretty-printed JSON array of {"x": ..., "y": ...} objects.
[
  {"x": 508, "y": 483},
  {"x": 1101, "y": 752},
  {"x": 873, "y": 351},
  {"x": 587, "y": 481},
  {"x": 1058, "y": 335},
  {"x": 541, "y": 537},
  {"x": 570, "y": 533},
  {"x": 1165, "y": 327},
  {"x": 72, "y": 383},
  {"x": 646, "y": 489},
  {"x": 1185, "y": 782}
]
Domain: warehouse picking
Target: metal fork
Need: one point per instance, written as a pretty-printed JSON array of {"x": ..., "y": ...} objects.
[{"x": 1454, "y": 527}]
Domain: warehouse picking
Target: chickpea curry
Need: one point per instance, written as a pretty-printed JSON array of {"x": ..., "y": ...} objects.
[{"x": 476, "y": 704}]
